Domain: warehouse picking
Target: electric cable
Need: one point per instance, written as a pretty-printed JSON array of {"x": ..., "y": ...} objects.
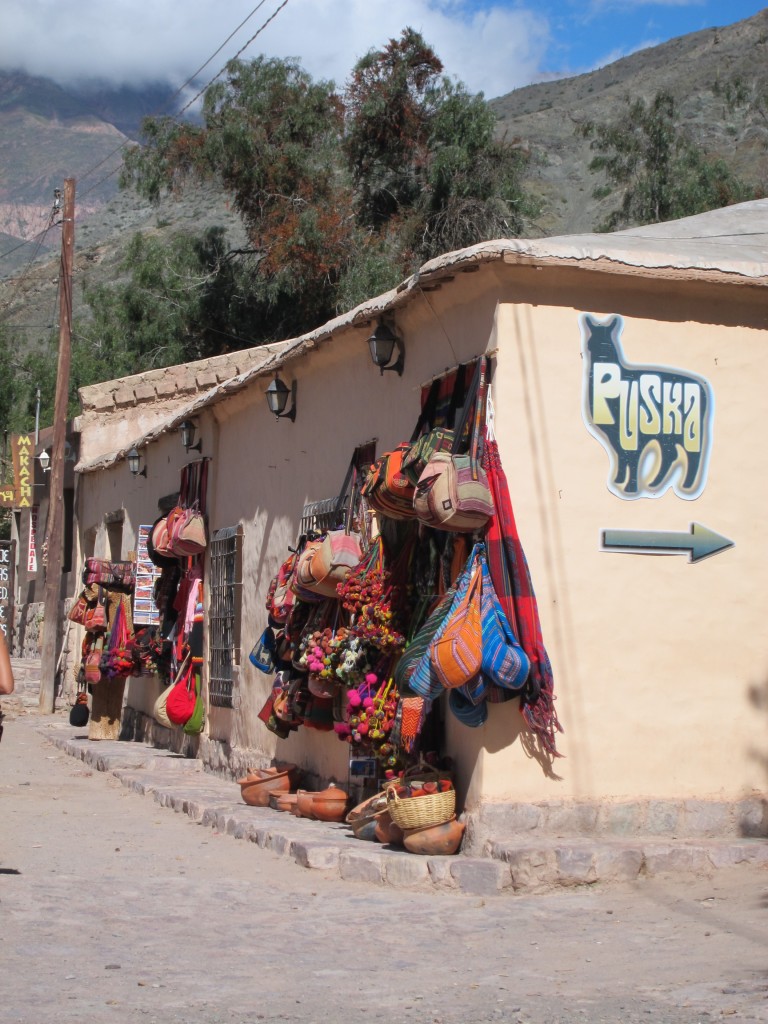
[
  {"x": 197, "y": 95},
  {"x": 20, "y": 280},
  {"x": 121, "y": 147}
]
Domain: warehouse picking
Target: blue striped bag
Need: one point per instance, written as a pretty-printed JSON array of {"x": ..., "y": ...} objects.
[{"x": 504, "y": 661}]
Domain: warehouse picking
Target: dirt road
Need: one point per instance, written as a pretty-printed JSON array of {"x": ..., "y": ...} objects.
[{"x": 113, "y": 909}]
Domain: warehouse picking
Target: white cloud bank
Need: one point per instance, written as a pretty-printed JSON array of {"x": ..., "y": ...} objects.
[{"x": 491, "y": 47}]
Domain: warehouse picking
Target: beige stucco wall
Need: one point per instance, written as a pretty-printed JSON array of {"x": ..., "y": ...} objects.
[{"x": 654, "y": 657}]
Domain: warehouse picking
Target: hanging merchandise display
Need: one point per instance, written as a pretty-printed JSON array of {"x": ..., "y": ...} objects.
[{"x": 421, "y": 595}]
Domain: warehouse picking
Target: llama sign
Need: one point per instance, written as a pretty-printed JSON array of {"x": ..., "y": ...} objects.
[{"x": 655, "y": 422}]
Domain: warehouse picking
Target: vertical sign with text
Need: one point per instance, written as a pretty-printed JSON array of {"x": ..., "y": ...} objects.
[{"x": 7, "y": 564}]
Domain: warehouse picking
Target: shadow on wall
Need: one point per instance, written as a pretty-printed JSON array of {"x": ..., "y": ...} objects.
[{"x": 757, "y": 695}]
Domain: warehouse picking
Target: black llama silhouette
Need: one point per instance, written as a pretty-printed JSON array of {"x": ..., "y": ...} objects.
[{"x": 654, "y": 422}]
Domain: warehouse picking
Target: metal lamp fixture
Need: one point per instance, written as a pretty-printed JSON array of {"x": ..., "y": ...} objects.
[
  {"x": 277, "y": 399},
  {"x": 134, "y": 463},
  {"x": 187, "y": 430},
  {"x": 45, "y": 461},
  {"x": 382, "y": 344}
]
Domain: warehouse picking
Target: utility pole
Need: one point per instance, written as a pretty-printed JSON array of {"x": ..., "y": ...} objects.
[{"x": 55, "y": 531}]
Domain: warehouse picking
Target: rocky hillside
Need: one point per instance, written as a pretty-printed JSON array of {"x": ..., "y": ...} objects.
[
  {"x": 717, "y": 77},
  {"x": 50, "y": 134}
]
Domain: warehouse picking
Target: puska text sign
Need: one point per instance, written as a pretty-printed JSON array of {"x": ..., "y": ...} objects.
[{"x": 654, "y": 422}]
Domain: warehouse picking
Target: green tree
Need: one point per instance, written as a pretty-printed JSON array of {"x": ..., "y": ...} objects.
[
  {"x": 341, "y": 196},
  {"x": 272, "y": 137},
  {"x": 423, "y": 154},
  {"x": 662, "y": 173}
]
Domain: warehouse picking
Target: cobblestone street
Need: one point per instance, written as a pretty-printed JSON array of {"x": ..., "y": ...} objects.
[{"x": 114, "y": 908}]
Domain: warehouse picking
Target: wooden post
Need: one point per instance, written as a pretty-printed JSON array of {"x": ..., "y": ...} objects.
[{"x": 55, "y": 530}]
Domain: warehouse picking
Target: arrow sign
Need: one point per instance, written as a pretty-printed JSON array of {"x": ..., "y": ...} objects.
[{"x": 700, "y": 542}]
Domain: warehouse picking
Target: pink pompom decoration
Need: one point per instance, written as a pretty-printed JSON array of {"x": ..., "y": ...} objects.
[
  {"x": 354, "y": 699},
  {"x": 341, "y": 729},
  {"x": 371, "y": 678},
  {"x": 368, "y": 703},
  {"x": 363, "y": 728}
]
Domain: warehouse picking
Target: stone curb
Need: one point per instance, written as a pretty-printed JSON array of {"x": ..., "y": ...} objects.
[{"x": 522, "y": 866}]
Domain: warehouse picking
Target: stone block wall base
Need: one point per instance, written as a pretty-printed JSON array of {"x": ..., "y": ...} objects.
[{"x": 678, "y": 819}]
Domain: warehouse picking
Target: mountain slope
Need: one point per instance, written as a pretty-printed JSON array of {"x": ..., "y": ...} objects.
[{"x": 713, "y": 75}]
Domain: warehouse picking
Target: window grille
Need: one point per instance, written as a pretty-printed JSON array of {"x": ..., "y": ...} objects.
[{"x": 224, "y": 612}]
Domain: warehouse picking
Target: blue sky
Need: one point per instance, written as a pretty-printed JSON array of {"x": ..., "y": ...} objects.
[
  {"x": 585, "y": 34},
  {"x": 492, "y": 45}
]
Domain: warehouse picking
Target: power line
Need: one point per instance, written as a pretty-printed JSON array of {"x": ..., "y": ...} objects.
[
  {"x": 55, "y": 208},
  {"x": 118, "y": 149},
  {"x": 178, "y": 92},
  {"x": 198, "y": 94}
]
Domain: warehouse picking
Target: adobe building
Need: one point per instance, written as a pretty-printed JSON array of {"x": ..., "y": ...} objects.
[{"x": 628, "y": 374}]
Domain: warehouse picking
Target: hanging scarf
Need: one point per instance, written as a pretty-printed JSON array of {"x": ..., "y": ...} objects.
[{"x": 512, "y": 582}]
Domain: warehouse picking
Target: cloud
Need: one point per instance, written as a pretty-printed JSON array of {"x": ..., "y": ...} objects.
[{"x": 486, "y": 44}]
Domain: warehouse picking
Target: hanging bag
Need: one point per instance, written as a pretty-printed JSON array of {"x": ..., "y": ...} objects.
[
  {"x": 423, "y": 679},
  {"x": 504, "y": 662},
  {"x": 327, "y": 562},
  {"x": 456, "y": 654},
  {"x": 186, "y": 522},
  {"x": 453, "y": 493},
  {"x": 95, "y": 619},
  {"x": 109, "y": 574},
  {"x": 194, "y": 724},
  {"x": 387, "y": 489},
  {"x": 92, "y": 662},
  {"x": 429, "y": 439},
  {"x": 180, "y": 703},
  {"x": 160, "y": 710},
  {"x": 79, "y": 609}
]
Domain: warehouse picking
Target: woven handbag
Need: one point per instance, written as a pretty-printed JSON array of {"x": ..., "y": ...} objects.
[
  {"x": 423, "y": 679},
  {"x": 109, "y": 574},
  {"x": 180, "y": 702},
  {"x": 504, "y": 662},
  {"x": 457, "y": 652},
  {"x": 325, "y": 563},
  {"x": 387, "y": 489},
  {"x": 194, "y": 724},
  {"x": 453, "y": 492},
  {"x": 160, "y": 710},
  {"x": 95, "y": 618},
  {"x": 78, "y": 610}
]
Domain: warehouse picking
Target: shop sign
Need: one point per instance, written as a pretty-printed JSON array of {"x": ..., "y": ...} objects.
[
  {"x": 6, "y": 586},
  {"x": 20, "y": 494},
  {"x": 654, "y": 422},
  {"x": 32, "y": 543}
]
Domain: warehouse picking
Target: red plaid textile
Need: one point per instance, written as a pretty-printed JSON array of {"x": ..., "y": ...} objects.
[{"x": 512, "y": 582}]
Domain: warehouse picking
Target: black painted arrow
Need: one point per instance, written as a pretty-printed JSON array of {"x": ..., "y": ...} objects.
[{"x": 699, "y": 542}]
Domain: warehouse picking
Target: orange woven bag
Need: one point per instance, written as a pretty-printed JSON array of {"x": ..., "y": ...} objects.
[{"x": 457, "y": 653}]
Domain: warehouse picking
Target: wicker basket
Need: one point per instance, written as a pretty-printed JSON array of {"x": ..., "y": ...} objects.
[{"x": 421, "y": 811}]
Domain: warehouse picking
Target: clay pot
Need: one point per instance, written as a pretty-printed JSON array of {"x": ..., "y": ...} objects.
[
  {"x": 362, "y": 818},
  {"x": 387, "y": 831},
  {"x": 255, "y": 791},
  {"x": 368, "y": 808},
  {"x": 435, "y": 840},
  {"x": 330, "y": 809},
  {"x": 330, "y": 804},
  {"x": 304, "y": 802},
  {"x": 281, "y": 801}
]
